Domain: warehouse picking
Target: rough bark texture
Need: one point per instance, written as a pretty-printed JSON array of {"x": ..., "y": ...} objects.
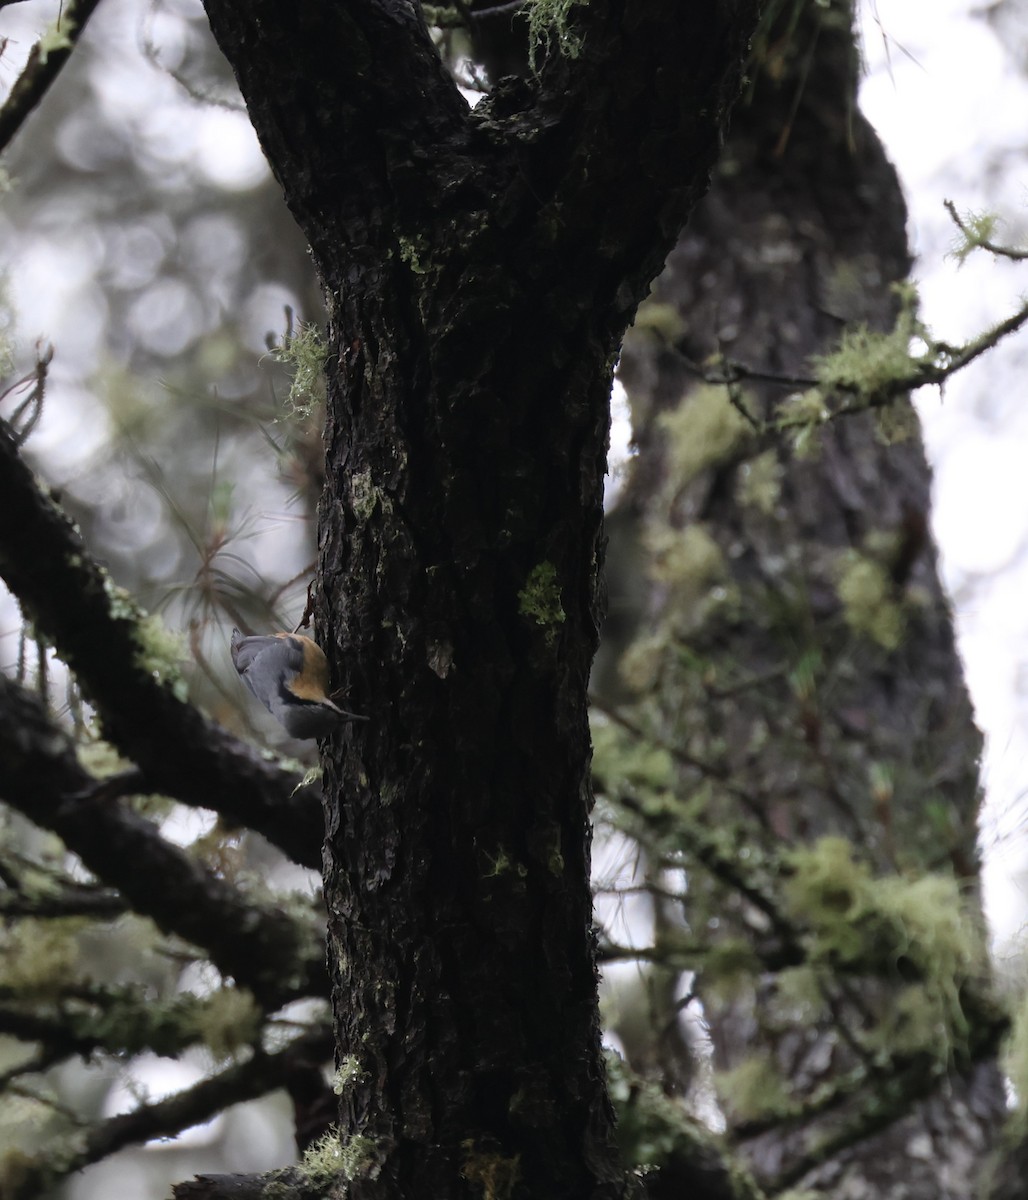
[
  {"x": 480, "y": 269},
  {"x": 826, "y": 717}
]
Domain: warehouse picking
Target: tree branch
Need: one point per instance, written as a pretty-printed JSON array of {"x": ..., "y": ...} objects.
[
  {"x": 96, "y": 631},
  {"x": 290, "y": 1184},
  {"x": 261, "y": 948},
  {"x": 976, "y": 238},
  {"x": 116, "y": 1020},
  {"x": 642, "y": 113},
  {"x": 43, "y": 67},
  {"x": 378, "y": 105},
  {"x": 164, "y": 1118}
]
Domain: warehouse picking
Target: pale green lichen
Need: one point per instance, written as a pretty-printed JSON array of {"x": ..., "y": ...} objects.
[
  {"x": 331, "y": 1158},
  {"x": 691, "y": 561},
  {"x": 501, "y": 863},
  {"x": 347, "y": 1073},
  {"x": 871, "y": 364},
  {"x": 311, "y": 775},
  {"x": 627, "y": 762},
  {"x": 160, "y": 652},
  {"x": 857, "y": 919},
  {"x": 800, "y": 990},
  {"x": 410, "y": 255},
  {"x": 689, "y": 558},
  {"x": 230, "y": 1019},
  {"x": 304, "y": 351},
  {"x": 120, "y": 604},
  {"x": 493, "y": 1175},
  {"x": 753, "y": 1089},
  {"x": 759, "y": 483},
  {"x": 548, "y": 20},
  {"x": 935, "y": 929},
  {"x": 978, "y": 228},
  {"x": 665, "y": 320},
  {"x": 39, "y": 959},
  {"x": 363, "y": 494},
  {"x": 540, "y": 599},
  {"x": 828, "y": 889},
  {"x": 100, "y": 758},
  {"x": 801, "y": 415},
  {"x": 896, "y": 422},
  {"x": 56, "y": 36},
  {"x": 706, "y": 430},
  {"x": 868, "y": 600},
  {"x": 729, "y": 968},
  {"x": 653, "y": 1128}
]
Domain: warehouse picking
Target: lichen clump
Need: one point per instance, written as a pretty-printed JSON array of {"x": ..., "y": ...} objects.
[
  {"x": 539, "y": 599},
  {"x": 331, "y": 1158},
  {"x": 753, "y": 1089},
  {"x": 874, "y": 924},
  {"x": 493, "y": 1175},
  {"x": 549, "y": 19},
  {"x": 872, "y": 364},
  {"x": 706, "y": 430},
  {"x": 305, "y": 353},
  {"x": 868, "y": 601},
  {"x": 229, "y": 1020}
]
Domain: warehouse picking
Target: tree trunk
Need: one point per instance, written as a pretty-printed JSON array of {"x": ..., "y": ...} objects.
[
  {"x": 480, "y": 269},
  {"x": 803, "y": 646}
]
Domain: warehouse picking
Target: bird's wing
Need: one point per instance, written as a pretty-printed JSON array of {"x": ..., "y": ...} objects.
[{"x": 247, "y": 650}]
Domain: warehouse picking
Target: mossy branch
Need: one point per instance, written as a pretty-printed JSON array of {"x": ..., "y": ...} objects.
[
  {"x": 976, "y": 231},
  {"x": 24, "y": 1176},
  {"x": 46, "y": 59},
  {"x": 868, "y": 371}
]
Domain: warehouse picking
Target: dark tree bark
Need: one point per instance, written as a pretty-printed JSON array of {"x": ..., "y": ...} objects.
[
  {"x": 480, "y": 268},
  {"x": 827, "y": 718}
]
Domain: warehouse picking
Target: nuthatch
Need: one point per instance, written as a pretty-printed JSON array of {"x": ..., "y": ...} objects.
[{"x": 288, "y": 673}]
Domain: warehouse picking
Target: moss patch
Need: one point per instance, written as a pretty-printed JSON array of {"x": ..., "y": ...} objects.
[
  {"x": 540, "y": 600},
  {"x": 868, "y": 600}
]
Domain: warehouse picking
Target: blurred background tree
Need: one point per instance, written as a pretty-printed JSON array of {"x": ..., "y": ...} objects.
[{"x": 784, "y": 747}]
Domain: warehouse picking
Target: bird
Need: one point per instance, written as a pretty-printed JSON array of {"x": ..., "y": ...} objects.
[{"x": 288, "y": 673}]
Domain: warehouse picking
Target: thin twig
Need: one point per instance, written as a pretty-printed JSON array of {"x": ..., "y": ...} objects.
[{"x": 975, "y": 239}]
